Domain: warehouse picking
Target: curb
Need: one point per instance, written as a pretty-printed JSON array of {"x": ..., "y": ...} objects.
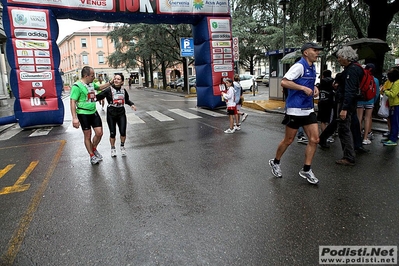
[{"x": 271, "y": 106}]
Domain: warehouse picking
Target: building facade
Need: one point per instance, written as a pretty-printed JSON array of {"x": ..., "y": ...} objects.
[{"x": 87, "y": 47}]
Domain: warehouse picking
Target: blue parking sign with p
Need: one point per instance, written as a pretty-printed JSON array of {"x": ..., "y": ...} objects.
[{"x": 186, "y": 47}]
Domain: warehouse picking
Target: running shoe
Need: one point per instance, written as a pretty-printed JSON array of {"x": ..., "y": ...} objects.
[
  {"x": 229, "y": 131},
  {"x": 370, "y": 136},
  {"x": 386, "y": 134},
  {"x": 244, "y": 116},
  {"x": 345, "y": 162},
  {"x": 113, "y": 152},
  {"x": 123, "y": 151},
  {"x": 390, "y": 143},
  {"x": 330, "y": 140},
  {"x": 98, "y": 155},
  {"x": 309, "y": 176},
  {"x": 94, "y": 160},
  {"x": 276, "y": 171},
  {"x": 303, "y": 140},
  {"x": 366, "y": 142},
  {"x": 237, "y": 128}
]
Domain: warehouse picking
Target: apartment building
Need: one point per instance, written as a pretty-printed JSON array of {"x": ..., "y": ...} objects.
[{"x": 87, "y": 47}]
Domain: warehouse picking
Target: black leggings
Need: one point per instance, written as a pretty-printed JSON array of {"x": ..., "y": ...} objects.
[{"x": 121, "y": 121}]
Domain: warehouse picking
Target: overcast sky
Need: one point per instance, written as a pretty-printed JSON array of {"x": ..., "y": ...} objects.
[{"x": 68, "y": 26}]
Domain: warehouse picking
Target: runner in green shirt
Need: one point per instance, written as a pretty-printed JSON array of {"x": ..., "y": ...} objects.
[{"x": 84, "y": 111}]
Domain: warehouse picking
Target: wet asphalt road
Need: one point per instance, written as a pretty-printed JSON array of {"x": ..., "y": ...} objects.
[{"x": 188, "y": 194}]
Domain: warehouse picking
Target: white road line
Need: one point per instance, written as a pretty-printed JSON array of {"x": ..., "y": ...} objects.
[
  {"x": 184, "y": 114},
  {"x": 133, "y": 119},
  {"x": 208, "y": 112},
  {"x": 9, "y": 133},
  {"x": 41, "y": 132},
  {"x": 159, "y": 116}
]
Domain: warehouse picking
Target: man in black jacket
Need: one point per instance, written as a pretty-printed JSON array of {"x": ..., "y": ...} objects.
[{"x": 347, "y": 96}]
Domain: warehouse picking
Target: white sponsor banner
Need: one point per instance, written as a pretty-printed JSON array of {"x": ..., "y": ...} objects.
[
  {"x": 218, "y": 62},
  {"x": 219, "y": 25},
  {"x": 23, "y": 44},
  {"x": 218, "y": 56},
  {"x": 37, "y": 84},
  {"x": 222, "y": 68},
  {"x": 26, "y": 61},
  {"x": 30, "y": 34},
  {"x": 221, "y": 36},
  {"x": 221, "y": 44},
  {"x": 74, "y": 4},
  {"x": 42, "y": 53},
  {"x": 43, "y": 61},
  {"x": 194, "y": 7},
  {"x": 27, "y": 68},
  {"x": 24, "y": 53},
  {"x": 22, "y": 18},
  {"x": 43, "y": 68},
  {"x": 26, "y": 76}
]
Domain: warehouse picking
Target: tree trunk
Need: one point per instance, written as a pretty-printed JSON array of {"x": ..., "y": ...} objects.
[{"x": 381, "y": 15}]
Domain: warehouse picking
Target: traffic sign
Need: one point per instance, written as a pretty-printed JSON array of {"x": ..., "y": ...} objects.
[
  {"x": 236, "y": 50},
  {"x": 186, "y": 47}
]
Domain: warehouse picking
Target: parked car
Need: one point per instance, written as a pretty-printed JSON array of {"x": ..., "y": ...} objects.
[
  {"x": 259, "y": 78},
  {"x": 175, "y": 83},
  {"x": 191, "y": 82},
  {"x": 265, "y": 80},
  {"x": 247, "y": 82}
]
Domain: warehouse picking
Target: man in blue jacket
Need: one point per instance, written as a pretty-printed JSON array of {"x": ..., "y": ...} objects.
[{"x": 300, "y": 82}]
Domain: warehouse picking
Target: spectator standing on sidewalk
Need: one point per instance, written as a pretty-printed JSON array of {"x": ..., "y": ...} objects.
[
  {"x": 84, "y": 111},
  {"x": 117, "y": 97},
  {"x": 326, "y": 99},
  {"x": 100, "y": 82},
  {"x": 300, "y": 82},
  {"x": 347, "y": 102},
  {"x": 231, "y": 104},
  {"x": 365, "y": 109},
  {"x": 237, "y": 99},
  {"x": 393, "y": 98}
]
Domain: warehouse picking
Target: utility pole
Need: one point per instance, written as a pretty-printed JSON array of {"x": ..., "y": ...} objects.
[{"x": 323, "y": 37}]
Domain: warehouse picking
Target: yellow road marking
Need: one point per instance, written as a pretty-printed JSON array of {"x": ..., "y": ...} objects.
[
  {"x": 6, "y": 169},
  {"x": 16, "y": 240},
  {"x": 19, "y": 186}
]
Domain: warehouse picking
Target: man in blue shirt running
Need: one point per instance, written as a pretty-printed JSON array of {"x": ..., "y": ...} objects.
[{"x": 300, "y": 82}]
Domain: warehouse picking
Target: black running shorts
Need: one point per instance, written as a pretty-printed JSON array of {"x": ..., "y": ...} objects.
[
  {"x": 90, "y": 121},
  {"x": 296, "y": 122}
]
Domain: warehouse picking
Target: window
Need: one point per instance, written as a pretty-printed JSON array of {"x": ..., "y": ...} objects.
[
  {"x": 83, "y": 42},
  {"x": 85, "y": 59},
  {"x": 99, "y": 43},
  {"x": 101, "y": 59}
]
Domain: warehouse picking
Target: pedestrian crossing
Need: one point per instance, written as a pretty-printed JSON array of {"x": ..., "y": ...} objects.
[{"x": 133, "y": 118}]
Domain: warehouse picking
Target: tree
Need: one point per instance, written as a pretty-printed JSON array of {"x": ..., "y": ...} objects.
[{"x": 150, "y": 46}]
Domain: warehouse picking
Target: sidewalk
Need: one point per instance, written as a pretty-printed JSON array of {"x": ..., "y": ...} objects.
[{"x": 260, "y": 101}]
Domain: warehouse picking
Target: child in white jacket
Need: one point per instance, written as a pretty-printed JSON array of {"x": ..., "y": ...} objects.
[{"x": 231, "y": 104}]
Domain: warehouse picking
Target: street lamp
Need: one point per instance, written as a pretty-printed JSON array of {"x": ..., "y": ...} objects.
[{"x": 284, "y": 4}]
